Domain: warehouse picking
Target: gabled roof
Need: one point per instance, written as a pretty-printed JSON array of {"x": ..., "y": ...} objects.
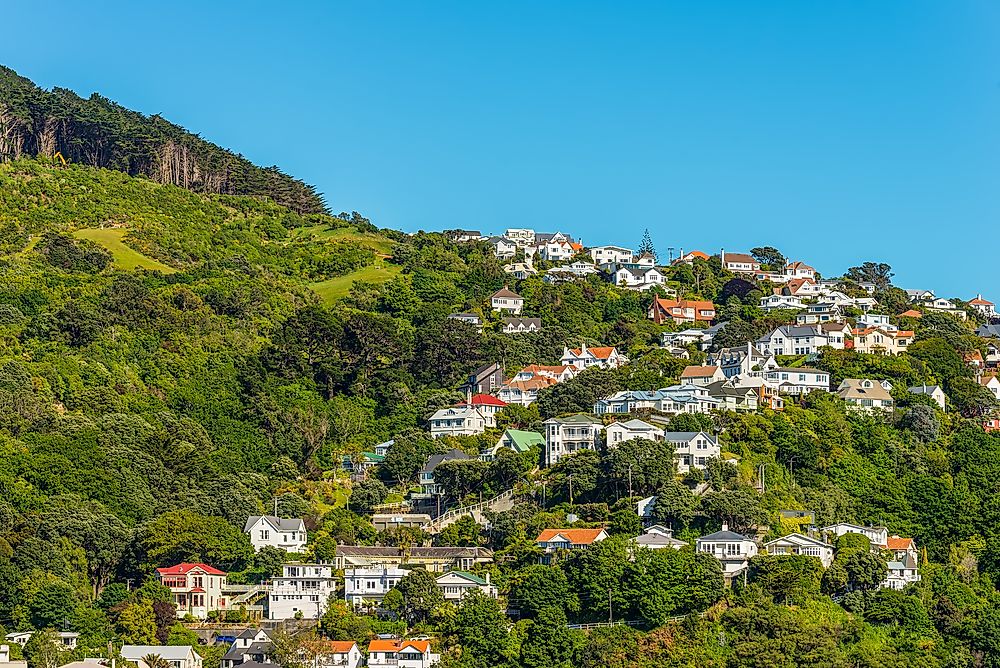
[
  {"x": 339, "y": 646},
  {"x": 798, "y": 539},
  {"x": 574, "y": 536},
  {"x": 979, "y": 301},
  {"x": 598, "y": 352},
  {"x": 434, "y": 460},
  {"x": 392, "y": 645},
  {"x": 724, "y": 535},
  {"x": 579, "y": 418},
  {"x": 486, "y": 400},
  {"x": 911, "y": 313},
  {"x": 506, "y": 293},
  {"x": 186, "y": 567},
  {"x": 799, "y": 265},
  {"x": 279, "y": 523},
  {"x": 742, "y": 258},
  {"x": 687, "y": 436},
  {"x": 168, "y": 652},
  {"x": 695, "y": 371},
  {"x": 465, "y": 575},
  {"x": 897, "y": 543},
  {"x": 523, "y": 440}
]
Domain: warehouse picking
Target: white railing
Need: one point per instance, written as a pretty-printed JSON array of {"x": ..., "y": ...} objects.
[{"x": 467, "y": 510}]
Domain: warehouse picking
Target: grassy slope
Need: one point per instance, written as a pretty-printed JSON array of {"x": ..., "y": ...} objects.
[
  {"x": 125, "y": 257},
  {"x": 337, "y": 288},
  {"x": 377, "y": 243}
]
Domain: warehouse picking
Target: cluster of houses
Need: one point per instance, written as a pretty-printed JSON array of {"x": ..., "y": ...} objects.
[{"x": 735, "y": 550}]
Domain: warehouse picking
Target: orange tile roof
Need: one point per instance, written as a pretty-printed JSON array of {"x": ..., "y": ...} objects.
[
  {"x": 340, "y": 646},
  {"x": 557, "y": 369},
  {"x": 533, "y": 383},
  {"x": 897, "y": 543},
  {"x": 576, "y": 536},
  {"x": 695, "y": 371},
  {"x": 912, "y": 313},
  {"x": 381, "y": 645},
  {"x": 979, "y": 301},
  {"x": 601, "y": 353}
]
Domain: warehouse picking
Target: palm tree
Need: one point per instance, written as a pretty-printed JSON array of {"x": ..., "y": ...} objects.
[{"x": 155, "y": 661}]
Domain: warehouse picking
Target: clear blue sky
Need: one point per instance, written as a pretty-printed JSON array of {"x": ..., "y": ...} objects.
[{"x": 836, "y": 131}]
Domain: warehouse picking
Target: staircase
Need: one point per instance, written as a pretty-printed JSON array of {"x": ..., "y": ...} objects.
[
  {"x": 499, "y": 503},
  {"x": 246, "y": 594}
]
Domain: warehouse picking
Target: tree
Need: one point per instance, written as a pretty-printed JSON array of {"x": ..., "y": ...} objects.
[
  {"x": 52, "y": 605},
  {"x": 738, "y": 508},
  {"x": 420, "y": 595},
  {"x": 549, "y": 642},
  {"x": 137, "y": 623},
  {"x": 674, "y": 505},
  {"x": 640, "y": 464},
  {"x": 922, "y": 421},
  {"x": 647, "y": 245},
  {"x": 182, "y": 535},
  {"x": 43, "y": 649},
  {"x": 269, "y": 561},
  {"x": 537, "y": 587},
  {"x": 878, "y": 273},
  {"x": 367, "y": 494},
  {"x": 625, "y": 522},
  {"x": 788, "y": 579},
  {"x": 483, "y": 631},
  {"x": 865, "y": 570},
  {"x": 464, "y": 532},
  {"x": 769, "y": 257}
]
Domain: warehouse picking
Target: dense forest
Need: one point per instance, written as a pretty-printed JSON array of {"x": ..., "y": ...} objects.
[
  {"x": 145, "y": 413},
  {"x": 100, "y": 133}
]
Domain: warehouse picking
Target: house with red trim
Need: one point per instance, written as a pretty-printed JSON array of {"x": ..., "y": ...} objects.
[
  {"x": 395, "y": 653},
  {"x": 553, "y": 540},
  {"x": 605, "y": 357},
  {"x": 197, "y": 588},
  {"x": 680, "y": 311},
  {"x": 985, "y": 307}
]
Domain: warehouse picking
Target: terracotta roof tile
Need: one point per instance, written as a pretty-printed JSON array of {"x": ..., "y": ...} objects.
[{"x": 576, "y": 536}]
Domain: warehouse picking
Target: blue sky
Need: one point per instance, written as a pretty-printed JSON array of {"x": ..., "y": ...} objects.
[{"x": 838, "y": 132}]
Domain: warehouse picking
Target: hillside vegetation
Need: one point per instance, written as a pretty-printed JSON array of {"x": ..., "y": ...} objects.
[
  {"x": 145, "y": 414},
  {"x": 100, "y": 133}
]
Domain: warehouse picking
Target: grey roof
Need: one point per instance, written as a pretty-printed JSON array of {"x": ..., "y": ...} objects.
[
  {"x": 801, "y": 369},
  {"x": 924, "y": 389},
  {"x": 686, "y": 435},
  {"x": 279, "y": 523},
  {"x": 249, "y": 633},
  {"x": 545, "y": 236},
  {"x": 527, "y": 322},
  {"x": 657, "y": 539},
  {"x": 414, "y": 552},
  {"x": 580, "y": 418},
  {"x": 724, "y": 535},
  {"x": 637, "y": 424},
  {"x": 989, "y": 331},
  {"x": 434, "y": 460}
]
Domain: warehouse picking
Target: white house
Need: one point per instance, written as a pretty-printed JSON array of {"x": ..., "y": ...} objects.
[
  {"x": 692, "y": 449},
  {"x": 67, "y": 639},
  {"x": 992, "y": 384},
  {"x": 555, "y": 250},
  {"x": 986, "y": 308},
  {"x": 630, "y": 430},
  {"x": 658, "y": 537},
  {"x": 734, "y": 551},
  {"x": 250, "y": 646},
  {"x": 742, "y": 360},
  {"x": 865, "y": 395},
  {"x": 178, "y": 656},
  {"x": 879, "y": 536},
  {"x": 386, "y": 653},
  {"x": 370, "y": 584},
  {"x": 702, "y": 374},
  {"x": 739, "y": 263},
  {"x": 637, "y": 277},
  {"x": 520, "y": 270},
  {"x": 524, "y": 392},
  {"x": 684, "y": 398},
  {"x": 507, "y": 300},
  {"x": 946, "y": 306},
  {"x": 781, "y": 302},
  {"x": 504, "y": 248},
  {"x": 553, "y": 540},
  {"x": 5, "y": 660},
  {"x": 569, "y": 435},
  {"x": 799, "y": 270},
  {"x": 521, "y": 236},
  {"x": 457, "y": 421},
  {"x": 487, "y": 405},
  {"x": 879, "y": 320},
  {"x": 197, "y": 589},
  {"x": 797, "y": 381},
  {"x": 339, "y": 654},
  {"x": 878, "y": 341},
  {"x": 287, "y": 534},
  {"x": 794, "y": 340},
  {"x": 797, "y": 543},
  {"x": 933, "y": 391},
  {"x": 456, "y": 585},
  {"x": 606, "y": 357},
  {"x": 611, "y": 254},
  {"x": 301, "y": 591}
]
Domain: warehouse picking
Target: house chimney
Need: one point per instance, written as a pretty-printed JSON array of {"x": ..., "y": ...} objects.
[
  {"x": 722, "y": 256},
  {"x": 583, "y": 348},
  {"x": 725, "y": 526}
]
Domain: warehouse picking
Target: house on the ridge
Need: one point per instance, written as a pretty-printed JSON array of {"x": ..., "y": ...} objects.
[
  {"x": 739, "y": 263},
  {"x": 680, "y": 311},
  {"x": 287, "y": 534}
]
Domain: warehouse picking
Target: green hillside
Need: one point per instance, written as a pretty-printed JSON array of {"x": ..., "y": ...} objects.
[{"x": 172, "y": 362}]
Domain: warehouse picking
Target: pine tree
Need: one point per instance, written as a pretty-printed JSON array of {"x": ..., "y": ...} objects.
[{"x": 647, "y": 245}]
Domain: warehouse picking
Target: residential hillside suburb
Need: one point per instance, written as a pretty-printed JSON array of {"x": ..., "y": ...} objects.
[{"x": 515, "y": 450}]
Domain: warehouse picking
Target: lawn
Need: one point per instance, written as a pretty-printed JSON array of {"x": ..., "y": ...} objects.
[
  {"x": 125, "y": 257},
  {"x": 335, "y": 289},
  {"x": 377, "y": 243}
]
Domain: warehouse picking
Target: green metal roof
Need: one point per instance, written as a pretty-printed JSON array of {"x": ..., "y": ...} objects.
[
  {"x": 523, "y": 440},
  {"x": 466, "y": 574}
]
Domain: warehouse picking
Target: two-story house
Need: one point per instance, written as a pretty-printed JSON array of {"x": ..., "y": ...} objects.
[
  {"x": 196, "y": 588},
  {"x": 251, "y": 646},
  {"x": 611, "y": 254},
  {"x": 781, "y": 303},
  {"x": 484, "y": 380},
  {"x": 456, "y": 585},
  {"x": 933, "y": 391},
  {"x": 739, "y": 263},
  {"x": 284, "y": 533},
  {"x": 794, "y": 340},
  {"x": 507, "y": 300},
  {"x": 797, "y": 380},
  {"x": 985, "y": 307},
  {"x": 301, "y": 591},
  {"x": 692, "y": 449},
  {"x": 680, "y": 310},
  {"x": 337, "y": 653},
  {"x": 569, "y": 435},
  {"x": 584, "y": 357},
  {"x": 878, "y": 341},
  {"x": 742, "y": 360},
  {"x": 524, "y": 392},
  {"x": 504, "y": 248},
  {"x": 457, "y": 421},
  {"x": 630, "y": 430},
  {"x": 385, "y": 653},
  {"x": 733, "y": 551},
  {"x": 865, "y": 395},
  {"x": 520, "y": 236},
  {"x": 702, "y": 374},
  {"x": 367, "y": 585},
  {"x": 175, "y": 656},
  {"x": 658, "y": 537},
  {"x": 426, "y": 475}
]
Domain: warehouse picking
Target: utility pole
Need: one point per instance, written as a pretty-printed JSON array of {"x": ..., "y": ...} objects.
[
  {"x": 630, "y": 481},
  {"x": 543, "y": 494},
  {"x": 610, "y": 616},
  {"x": 571, "y": 489}
]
